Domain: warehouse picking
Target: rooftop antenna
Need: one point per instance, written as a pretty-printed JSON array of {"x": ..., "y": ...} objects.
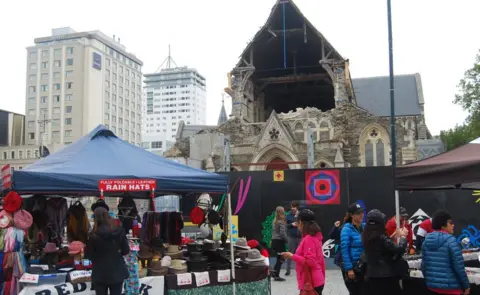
[{"x": 167, "y": 62}]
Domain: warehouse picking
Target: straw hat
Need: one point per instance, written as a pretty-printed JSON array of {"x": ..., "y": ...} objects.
[
  {"x": 156, "y": 268},
  {"x": 178, "y": 266}
]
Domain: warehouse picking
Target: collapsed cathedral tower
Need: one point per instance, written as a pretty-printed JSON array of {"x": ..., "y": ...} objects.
[{"x": 290, "y": 78}]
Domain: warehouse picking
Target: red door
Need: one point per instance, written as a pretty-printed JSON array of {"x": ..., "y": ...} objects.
[{"x": 277, "y": 164}]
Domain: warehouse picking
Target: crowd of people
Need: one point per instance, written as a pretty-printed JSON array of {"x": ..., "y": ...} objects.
[{"x": 371, "y": 252}]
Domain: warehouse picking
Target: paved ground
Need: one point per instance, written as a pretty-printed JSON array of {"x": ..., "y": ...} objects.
[{"x": 334, "y": 284}]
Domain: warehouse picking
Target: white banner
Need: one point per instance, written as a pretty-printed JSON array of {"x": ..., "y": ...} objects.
[{"x": 148, "y": 286}]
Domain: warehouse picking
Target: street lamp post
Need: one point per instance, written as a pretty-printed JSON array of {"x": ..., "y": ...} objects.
[{"x": 43, "y": 124}]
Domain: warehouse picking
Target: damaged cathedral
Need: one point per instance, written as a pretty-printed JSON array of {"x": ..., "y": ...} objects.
[{"x": 290, "y": 79}]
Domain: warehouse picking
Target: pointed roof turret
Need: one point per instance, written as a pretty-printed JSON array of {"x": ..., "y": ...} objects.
[{"x": 222, "y": 118}]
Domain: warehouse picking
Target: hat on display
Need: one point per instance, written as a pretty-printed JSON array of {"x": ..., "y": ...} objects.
[
  {"x": 50, "y": 248},
  {"x": 375, "y": 217},
  {"x": 6, "y": 219},
  {"x": 355, "y": 208},
  {"x": 241, "y": 244},
  {"x": 75, "y": 247},
  {"x": 22, "y": 219},
  {"x": 209, "y": 245},
  {"x": 205, "y": 231},
  {"x": 157, "y": 269},
  {"x": 197, "y": 215},
  {"x": 144, "y": 252},
  {"x": 12, "y": 202},
  {"x": 174, "y": 251},
  {"x": 253, "y": 243},
  {"x": 100, "y": 203},
  {"x": 255, "y": 258},
  {"x": 178, "y": 266},
  {"x": 204, "y": 201}
]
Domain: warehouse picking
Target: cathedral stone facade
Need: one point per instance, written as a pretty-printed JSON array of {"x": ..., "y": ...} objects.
[{"x": 290, "y": 79}]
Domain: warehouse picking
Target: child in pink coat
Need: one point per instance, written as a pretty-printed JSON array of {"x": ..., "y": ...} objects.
[{"x": 309, "y": 252}]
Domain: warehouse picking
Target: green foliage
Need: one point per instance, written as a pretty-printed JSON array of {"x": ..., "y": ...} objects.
[
  {"x": 469, "y": 98},
  {"x": 267, "y": 226}
]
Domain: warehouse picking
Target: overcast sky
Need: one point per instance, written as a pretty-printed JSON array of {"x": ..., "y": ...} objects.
[{"x": 436, "y": 38}]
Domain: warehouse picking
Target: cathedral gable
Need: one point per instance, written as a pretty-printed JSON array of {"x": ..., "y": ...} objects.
[{"x": 274, "y": 132}]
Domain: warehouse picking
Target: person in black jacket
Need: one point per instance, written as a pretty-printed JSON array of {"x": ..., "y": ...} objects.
[
  {"x": 106, "y": 246},
  {"x": 381, "y": 251}
]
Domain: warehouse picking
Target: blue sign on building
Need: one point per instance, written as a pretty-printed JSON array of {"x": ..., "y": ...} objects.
[{"x": 97, "y": 61}]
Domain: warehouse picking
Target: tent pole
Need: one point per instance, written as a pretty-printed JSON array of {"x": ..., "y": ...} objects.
[
  {"x": 397, "y": 209},
  {"x": 230, "y": 229}
]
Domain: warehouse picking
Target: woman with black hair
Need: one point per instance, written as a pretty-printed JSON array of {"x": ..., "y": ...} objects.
[
  {"x": 382, "y": 254},
  {"x": 309, "y": 259}
]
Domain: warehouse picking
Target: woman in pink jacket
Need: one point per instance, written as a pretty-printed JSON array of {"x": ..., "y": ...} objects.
[{"x": 309, "y": 253}]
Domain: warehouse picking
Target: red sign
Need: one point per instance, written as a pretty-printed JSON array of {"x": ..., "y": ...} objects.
[
  {"x": 127, "y": 185},
  {"x": 6, "y": 176}
]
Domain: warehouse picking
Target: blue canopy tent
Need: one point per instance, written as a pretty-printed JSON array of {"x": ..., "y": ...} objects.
[{"x": 77, "y": 169}]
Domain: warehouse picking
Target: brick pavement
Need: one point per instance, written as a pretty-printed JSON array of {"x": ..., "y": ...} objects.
[{"x": 333, "y": 286}]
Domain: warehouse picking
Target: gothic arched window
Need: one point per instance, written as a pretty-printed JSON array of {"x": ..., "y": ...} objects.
[
  {"x": 324, "y": 131},
  {"x": 314, "y": 131},
  {"x": 299, "y": 135},
  {"x": 375, "y": 148}
]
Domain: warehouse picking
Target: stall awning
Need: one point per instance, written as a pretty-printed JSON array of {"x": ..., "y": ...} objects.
[{"x": 101, "y": 155}]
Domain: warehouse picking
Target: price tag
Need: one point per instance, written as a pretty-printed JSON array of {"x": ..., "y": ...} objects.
[
  {"x": 29, "y": 279},
  {"x": 202, "y": 278},
  {"x": 79, "y": 274},
  {"x": 223, "y": 276},
  {"x": 42, "y": 266},
  {"x": 184, "y": 279}
]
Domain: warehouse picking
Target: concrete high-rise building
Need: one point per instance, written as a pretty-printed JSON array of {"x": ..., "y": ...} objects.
[
  {"x": 77, "y": 80},
  {"x": 173, "y": 95}
]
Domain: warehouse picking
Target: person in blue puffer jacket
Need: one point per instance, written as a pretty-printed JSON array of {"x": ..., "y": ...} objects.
[
  {"x": 352, "y": 247},
  {"x": 443, "y": 266}
]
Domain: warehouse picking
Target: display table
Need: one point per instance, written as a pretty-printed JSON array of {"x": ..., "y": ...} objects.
[
  {"x": 252, "y": 281},
  {"x": 416, "y": 286}
]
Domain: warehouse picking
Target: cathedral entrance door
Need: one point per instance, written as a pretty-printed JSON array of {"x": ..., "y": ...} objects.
[{"x": 277, "y": 164}]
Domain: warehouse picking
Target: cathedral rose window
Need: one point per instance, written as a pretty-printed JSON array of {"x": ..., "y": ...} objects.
[{"x": 274, "y": 133}]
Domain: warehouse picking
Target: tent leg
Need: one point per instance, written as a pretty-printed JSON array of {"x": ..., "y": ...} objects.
[{"x": 230, "y": 229}]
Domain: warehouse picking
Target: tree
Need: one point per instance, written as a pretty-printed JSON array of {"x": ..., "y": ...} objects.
[{"x": 469, "y": 98}]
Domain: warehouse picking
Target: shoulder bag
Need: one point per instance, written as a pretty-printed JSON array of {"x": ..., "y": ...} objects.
[{"x": 308, "y": 283}]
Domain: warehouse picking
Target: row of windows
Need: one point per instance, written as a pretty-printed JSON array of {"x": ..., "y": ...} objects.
[
  {"x": 56, "y": 52},
  {"x": 44, "y": 87},
  {"x": 55, "y": 122},
  {"x": 121, "y": 81},
  {"x": 55, "y": 110},
  {"x": 165, "y": 118},
  {"x": 56, "y": 64},
  {"x": 12, "y": 155},
  {"x": 158, "y": 131},
  {"x": 44, "y": 76},
  {"x": 55, "y": 134},
  {"x": 115, "y": 54},
  {"x": 120, "y": 132},
  {"x": 44, "y": 99}
]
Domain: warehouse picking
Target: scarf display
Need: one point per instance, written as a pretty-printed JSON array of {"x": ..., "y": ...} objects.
[
  {"x": 132, "y": 283},
  {"x": 164, "y": 226},
  {"x": 77, "y": 223},
  {"x": 13, "y": 261}
]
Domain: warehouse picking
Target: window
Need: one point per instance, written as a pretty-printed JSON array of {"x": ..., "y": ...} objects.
[
  {"x": 45, "y": 65},
  {"x": 68, "y": 133},
  {"x": 114, "y": 119},
  {"x": 107, "y": 106},
  {"x": 43, "y": 99},
  {"x": 120, "y": 131},
  {"x": 33, "y": 54},
  {"x": 5, "y": 155},
  {"x": 114, "y": 108},
  {"x": 314, "y": 131},
  {"x": 68, "y": 109},
  {"x": 32, "y": 77},
  {"x": 13, "y": 154},
  {"x": 114, "y": 77},
  {"x": 69, "y": 85},
  {"x": 32, "y": 89},
  {"x": 44, "y": 76},
  {"x": 20, "y": 155},
  {"x": 157, "y": 144},
  {"x": 56, "y": 110},
  {"x": 43, "y": 111},
  {"x": 107, "y": 84},
  {"x": 68, "y": 97},
  {"x": 57, "y": 52},
  {"x": 67, "y": 142},
  {"x": 31, "y": 112},
  {"x": 31, "y": 135},
  {"x": 68, "y": 121},
  {"x": 29, "y": 153},
  {"x": 114, "y": 97},
  {"x": 375, "y": 148},
  {"x": 107, "y": 116},
  {"x": 56, "y": 75},
  {"x": 30, "y": 124},
  {"x": 56, "y": 86},
  {"x": 56, "y": 134},
  {"x": 56, "y": 98},
  {"x": 57, "y": 63},
  {"x": 107, "y": 74},
  {"x": 45, "y": 53},
  {"x": 44, "y": 88},
  {"x": 107, "y": 62},
  {"x": 107, "y": 95},
  {"x": 32, "y": 66},
  {"x": 69, "y": 50},
  {"x": 69, "y": 61},
  {"x": 299, "y": 135},
  {"x": 324, "y": 131},
  {"x": 55, "y": 122},
  {"x": 68, "y": 74}
]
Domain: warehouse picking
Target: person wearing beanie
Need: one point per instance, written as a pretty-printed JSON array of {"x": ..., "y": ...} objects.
[
  {"x": 351, "y": 247},
  {"x": 106, "y": 246},
  {"x": 382, "y": 254},
  {"x": 309, "y": 260},
  {"x": 443, "y": 266},
  {"x": 392, "y": 226}
]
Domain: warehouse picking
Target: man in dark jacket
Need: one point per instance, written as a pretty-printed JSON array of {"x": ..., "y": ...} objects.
[
  {"x": 443, "y": 266},
  {"x": 293, "y": 233}
]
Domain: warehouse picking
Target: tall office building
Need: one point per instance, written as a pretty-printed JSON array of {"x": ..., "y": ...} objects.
[
  {"x": 77, "y": 80},
  {"x": 173, "y": 95}
]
